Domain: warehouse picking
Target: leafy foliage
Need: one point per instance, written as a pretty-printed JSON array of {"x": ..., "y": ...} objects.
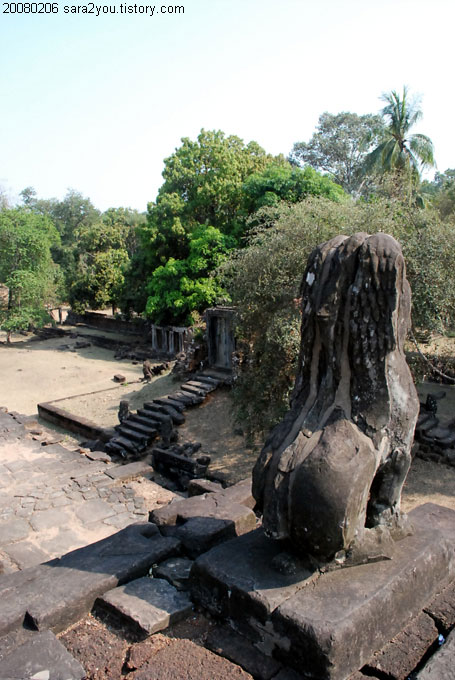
[
  {"x": 210, "y": 187},
  {"x": 263, "y": 281},
  {"x": 26, "y": 268},
  {"x": 339, "y": 147},
  {"x": 399, "y": 152},
  {"x": 180, "y": 288}
]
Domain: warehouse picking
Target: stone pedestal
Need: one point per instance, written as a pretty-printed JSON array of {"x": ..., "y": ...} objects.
[{"x": 326, "y": 625}]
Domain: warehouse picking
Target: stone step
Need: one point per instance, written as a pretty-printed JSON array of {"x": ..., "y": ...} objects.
[
  {"x": 190, "y": 399},
  {"x": 168, "y": 401},
  {"x": 191, "y": 389},
  {"x": 208, "y": 379},
  {"x": 201, "y": 385},
  {"x": 144, "y": 418},
  {"x": 147, "y": 604},
  {"x": 138, "y": 437},
  {"x": 151, "y": 408},
  {"x": 168, "y": 410},
  {"x": 140, "y": 428},
  {"x": 124, "y": 443}
]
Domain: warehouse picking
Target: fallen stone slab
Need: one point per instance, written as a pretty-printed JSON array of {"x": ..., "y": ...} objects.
[
  {"x": 129, "y": 471},
  {"x": 441, "y": 665},
  {"x": 229, "y": 644},
  {"x": 205, "y": 506},
  {"x": 196, "y": 487},
  {"x": 326, "y": 626},
  {"x": 99, "y": 456},
  {"x": 185, "y": 660},
  {"x": 119, "y": 377},
  {"x": 41, "y": 653},
  {"x": 147, "y": 604},
  {"x": 58, "y": 593},
  {"x": 238, "y": 493},
  {"x": 176, "y": 570}
]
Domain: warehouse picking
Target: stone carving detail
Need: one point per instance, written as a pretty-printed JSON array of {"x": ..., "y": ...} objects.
[{"x": 330, "y": 475}]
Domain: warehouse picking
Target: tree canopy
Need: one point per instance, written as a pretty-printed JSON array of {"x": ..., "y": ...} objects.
[
  {"x": 26, "y": 268},
  {"x": 339, "y": 146},
  {"x": 400, "y": 152}
]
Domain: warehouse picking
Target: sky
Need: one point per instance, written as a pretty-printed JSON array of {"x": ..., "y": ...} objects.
[{"x": 96, "y": 103}]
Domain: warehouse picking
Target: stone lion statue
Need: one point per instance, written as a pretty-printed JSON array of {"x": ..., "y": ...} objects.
[{"x": 330, "y": 475}]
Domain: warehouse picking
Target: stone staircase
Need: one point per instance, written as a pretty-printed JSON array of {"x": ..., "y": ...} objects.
[{"x": 158, "y": 418}]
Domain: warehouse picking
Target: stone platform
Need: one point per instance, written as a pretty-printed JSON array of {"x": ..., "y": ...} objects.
[{"x": 327, "y": 626}]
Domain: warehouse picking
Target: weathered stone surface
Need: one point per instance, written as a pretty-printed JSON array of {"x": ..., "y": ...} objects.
[
  {"x": 225, "y": 642},
  {"x": 441, "y": 666},
  {"x": 332, "y": 471},
  {"x": 26, "y": 554},
  {"x": 42, "y": 652},
  {"x": 176, "y": 570},
  {"x": 148, "y": 604},
  {"x": 326, "y": 625},
  {"x": 402, "y": 654},
  {"x": 239, "y": 493},
  {"x": 129, "y": 471},
  {"x": 14, "y": 530},
  {"x": 94, "y": 510},
  {"x": 238, "y": 580},
  {"x": 442, "y": 608},
  {"x": 336, "y": 626},
  {"x": 58, "y": 593},
  {"x": 203, "y": 521},
  {"x": 199, "y": 534},
  {"x": 196, "y": 487},
  {"x": 187, "y": 661}
]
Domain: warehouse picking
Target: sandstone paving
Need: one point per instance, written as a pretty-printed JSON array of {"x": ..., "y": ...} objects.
[{"x": 53, "y": 499}]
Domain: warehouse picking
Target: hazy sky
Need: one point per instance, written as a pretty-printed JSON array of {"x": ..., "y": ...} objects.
[{"x": 96, "y": 103}]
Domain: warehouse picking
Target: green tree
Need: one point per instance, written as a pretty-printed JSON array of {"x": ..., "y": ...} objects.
[
  {"x": 441, "y": 192},
  {"x": 399, "y": 152},
  {"x": 102, "y": 252},
  {"x": 339, "y": 147},
  {"x": 203, "y": 182},
  {"x": 26, "y": 269},
  {"x": 263, "y": 282},
  {"x": 284, "y": 182},
  {"x": 180, "y": 288}
]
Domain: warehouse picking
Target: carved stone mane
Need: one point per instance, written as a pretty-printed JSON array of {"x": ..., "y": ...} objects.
[{"x": 330, "y": 474}]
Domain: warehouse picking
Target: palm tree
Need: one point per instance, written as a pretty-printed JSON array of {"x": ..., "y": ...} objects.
[{"x": 399, "y": 152}]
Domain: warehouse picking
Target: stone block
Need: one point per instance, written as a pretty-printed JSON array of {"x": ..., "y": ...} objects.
[
  {"x": 93, "y": 511},
  {"x": 402, "y": 654},
  {"x": 441, "y": 665},
  {"x": 331, "y": 629},
  {"x": 147, "y": 604},
  {"x": 229, "y": 644},
  {"x": 185, "y": 659},
  {"x": 176, "y": 570},
  {"x": 335, "y": 627},
  {"x": 196, "y": 487},
  {"x": 14, "y": 530},
  {"x": 56, "y": 594},
  {"x": 26, "y": 554},
  {"x": 237, "y": 580},
  {"x": 42, "y": 652},
  {"x": 442, "y": 608},
  {"x": 129, "y": 471}
]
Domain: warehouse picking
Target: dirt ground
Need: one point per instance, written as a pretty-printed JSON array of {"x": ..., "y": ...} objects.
[{"x": 34, "y": 371}]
